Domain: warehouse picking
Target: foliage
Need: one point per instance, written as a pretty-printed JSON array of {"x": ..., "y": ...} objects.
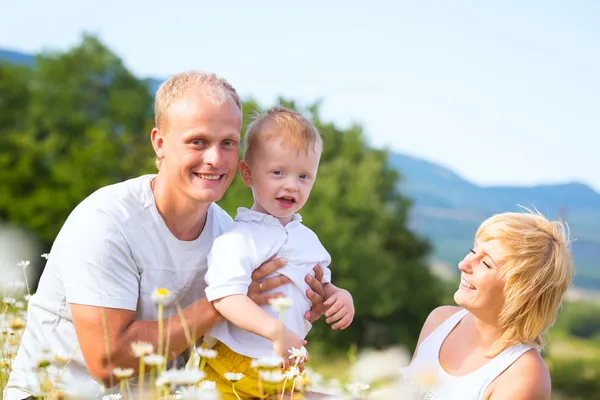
[{"x": 75, "y": 122}]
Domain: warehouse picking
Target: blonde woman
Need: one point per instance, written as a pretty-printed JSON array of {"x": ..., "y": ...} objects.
[{"x": 512, "y": 284}]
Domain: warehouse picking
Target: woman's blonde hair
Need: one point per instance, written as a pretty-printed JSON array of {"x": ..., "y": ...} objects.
[{"x": 537, "y": 269}]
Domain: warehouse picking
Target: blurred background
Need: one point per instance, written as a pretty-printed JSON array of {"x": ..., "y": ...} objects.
[{"x": 434, "y": 115}]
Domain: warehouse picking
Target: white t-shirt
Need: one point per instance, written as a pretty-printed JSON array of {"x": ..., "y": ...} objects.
[
  {"x": 113, "y": 251},
  {"x": 254, "y": 238}
]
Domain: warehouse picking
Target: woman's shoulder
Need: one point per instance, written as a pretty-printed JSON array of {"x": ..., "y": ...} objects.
[
  {"x": 527, "y": 378},
  {"x": 435, "y": 319}
]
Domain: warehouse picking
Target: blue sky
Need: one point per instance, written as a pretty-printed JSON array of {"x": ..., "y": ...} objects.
[{"x": 501, "y": 92}]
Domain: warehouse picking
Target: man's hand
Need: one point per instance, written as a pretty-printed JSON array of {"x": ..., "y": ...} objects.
[
  {"x": 315, "y": 295},
  {"x": 340, "y": 309},
  {"x": 259, "y": 284}
]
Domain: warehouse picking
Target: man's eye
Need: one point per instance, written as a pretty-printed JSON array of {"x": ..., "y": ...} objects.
[
  {"x": 197, "y": 142},
  {"x": 229, "y": 143}
]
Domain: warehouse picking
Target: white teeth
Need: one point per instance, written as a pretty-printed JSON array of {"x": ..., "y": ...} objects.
[
  {"x": 210, "y": 177},
  {"x": 467, "y": 284}
]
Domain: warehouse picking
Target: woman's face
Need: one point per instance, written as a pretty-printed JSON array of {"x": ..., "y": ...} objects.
[{"x": 481, "y": 289}]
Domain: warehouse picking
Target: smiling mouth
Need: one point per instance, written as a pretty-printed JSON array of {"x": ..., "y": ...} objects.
[
  {"x": 286, "y": 201},
  {"x": 467, "y": 284},
  {"x": 206, "y": 177}
]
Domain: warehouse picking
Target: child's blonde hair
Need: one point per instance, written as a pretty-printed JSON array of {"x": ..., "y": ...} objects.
[
  {"x": 537, "y": 269},
  {"x": 295, "y": 131}
]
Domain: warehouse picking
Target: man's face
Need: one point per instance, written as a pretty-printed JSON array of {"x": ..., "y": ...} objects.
[{"x": 201, "y": 148}]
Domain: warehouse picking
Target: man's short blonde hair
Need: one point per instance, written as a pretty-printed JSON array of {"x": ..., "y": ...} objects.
[
  {"x": 294, "y": 130},
  {"x": 216, "y": 89},
  {"x": 537, "y": 269}
]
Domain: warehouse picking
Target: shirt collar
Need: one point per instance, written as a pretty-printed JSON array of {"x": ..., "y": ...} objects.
[{"x": 247, "y": 215}]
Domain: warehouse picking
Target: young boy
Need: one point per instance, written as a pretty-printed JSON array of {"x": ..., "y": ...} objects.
[{"x": 280, "y": 163}]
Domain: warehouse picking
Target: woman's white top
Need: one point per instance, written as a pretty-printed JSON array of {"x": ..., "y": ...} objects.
[{"x": 426, "y": 379}]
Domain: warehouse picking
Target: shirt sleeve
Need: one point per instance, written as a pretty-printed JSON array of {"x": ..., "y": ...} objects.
[
  {"x": 325, "y": 264},
  {"x": 95, "y": 262},
  {"x": 230, "y": 265}
]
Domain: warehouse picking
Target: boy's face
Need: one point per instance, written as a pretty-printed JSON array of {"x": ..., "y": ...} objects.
[{"x": 281, "y": 178}]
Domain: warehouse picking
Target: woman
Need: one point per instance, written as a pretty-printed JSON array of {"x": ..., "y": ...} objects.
[{"x": 512, "y": 284}]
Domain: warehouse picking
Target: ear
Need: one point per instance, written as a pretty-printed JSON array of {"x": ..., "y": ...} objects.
[
  {"x": 158, "y": 142},
  {"x": 245, "y": 172}
]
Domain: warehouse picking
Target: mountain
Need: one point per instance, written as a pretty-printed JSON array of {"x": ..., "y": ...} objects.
[
  {"x": 16, "y": 57},
  {"x": 447, "y": 209}
]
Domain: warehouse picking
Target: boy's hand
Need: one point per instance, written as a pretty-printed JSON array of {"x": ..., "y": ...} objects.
[
  {"x": 285, "y": 342},
  {"x": 340, "y": 309}
]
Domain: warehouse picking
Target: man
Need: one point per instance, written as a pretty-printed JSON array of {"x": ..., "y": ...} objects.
[{"x": 95, "y": 297}]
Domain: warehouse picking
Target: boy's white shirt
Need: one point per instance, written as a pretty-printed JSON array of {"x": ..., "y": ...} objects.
[{"x": 254, "y": 238}]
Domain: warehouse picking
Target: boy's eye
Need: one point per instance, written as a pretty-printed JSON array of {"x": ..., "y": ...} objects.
[
  {"x": 277, "y": 172},
  {"x": 304, "y": 176}
]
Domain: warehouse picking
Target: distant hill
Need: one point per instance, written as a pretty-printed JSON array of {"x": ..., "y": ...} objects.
[
  {"x": 448, "y": 209},
  {"x": 16, "y": 57}
]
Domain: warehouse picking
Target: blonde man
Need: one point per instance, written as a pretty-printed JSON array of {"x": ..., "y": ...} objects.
[
  {"x": 124, "y": 241},
  {"x": 280, "y": 165},
  {"x": 512, "y": 284}
]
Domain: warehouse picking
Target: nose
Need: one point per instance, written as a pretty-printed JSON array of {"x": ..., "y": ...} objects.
[
  {"x": 291, "y": 184},
  {"x": 466, "y": 264},
  {"x": 213, "y": 156}
]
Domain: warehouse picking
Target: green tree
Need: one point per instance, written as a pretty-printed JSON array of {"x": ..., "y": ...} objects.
[{"x": 75, "y": 122}]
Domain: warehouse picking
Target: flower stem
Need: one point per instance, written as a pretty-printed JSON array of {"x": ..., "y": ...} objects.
[
  {"x": 234, "y": 392},
  {"x": 141, "y": 380},
  {"x": 283, "y": 389},
  {"x": 160, "y": 328}
]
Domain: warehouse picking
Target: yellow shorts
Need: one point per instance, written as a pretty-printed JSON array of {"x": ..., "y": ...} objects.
[{"x": 248, "y": 387}]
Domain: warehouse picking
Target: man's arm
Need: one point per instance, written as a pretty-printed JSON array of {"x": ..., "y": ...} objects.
[{"x": 105, "y": 335}]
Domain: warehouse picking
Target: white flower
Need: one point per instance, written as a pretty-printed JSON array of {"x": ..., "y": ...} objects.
[
  {"x": 141, "y": 348},
  {"x": 180, "y": 377},
  {"x": 357, "y": 387},
  {"x": 206, "y": 353},
  {"x": 123, "y": 372},
  {"x": 266, "y": 362},
  {"x": 9, "y": 300},
  {"x": 23, "y": 264},
  {"x": 281, "y": 303},
  {"x": 20, "y": 304},
  {"x": 292, "y": 372},
  {"x": 113, "y": 396},
  {"x": 299, "y": 355},
  {"x": 208, "y": 385},
  {"x": 274, "y": 376},
  {"x": 27, "y": 297},
  {"x": 233, "y": 377},
  {"x": 162, "y": 296},
  {"x": 45, "y": 255},
  {"x": 154, "y": 359}
]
